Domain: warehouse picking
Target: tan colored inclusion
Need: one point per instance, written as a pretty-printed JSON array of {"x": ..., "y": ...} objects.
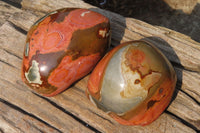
[{"x": 137, "y": 74}]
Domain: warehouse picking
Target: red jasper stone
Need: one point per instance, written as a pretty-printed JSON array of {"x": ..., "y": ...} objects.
[
  {"x": 133, "y": 83},
  {"x": 62, "y": 47}
]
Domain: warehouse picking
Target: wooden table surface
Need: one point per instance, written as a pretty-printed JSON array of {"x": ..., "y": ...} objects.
[{"x": 21, "y": 110}]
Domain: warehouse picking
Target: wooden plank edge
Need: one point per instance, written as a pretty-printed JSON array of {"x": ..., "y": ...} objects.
[
  {"x": 37, "y": 107},
  {"x": 22, "y": 120},
  {"x": 6, "y": 11},
  {"x": 15, "y": 3}
]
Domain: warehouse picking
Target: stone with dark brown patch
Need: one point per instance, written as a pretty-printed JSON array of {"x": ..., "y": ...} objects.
[
  {"x": 48, "y": 61},
  {"x": 66, "y": 45},
  {"x": 84, "y": 45},
  {"x": 151, "y": 103}
]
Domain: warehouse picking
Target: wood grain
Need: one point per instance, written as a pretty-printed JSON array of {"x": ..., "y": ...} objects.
[
  {"x": 14, "y": 121},
  {"x": 6, "y": 11},
  {"x": 71, "y": 110}
]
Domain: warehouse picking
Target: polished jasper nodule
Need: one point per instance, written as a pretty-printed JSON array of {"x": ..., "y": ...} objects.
[
  {"x": 134, "y": 83},
  {"x": 62, "y": 47}
]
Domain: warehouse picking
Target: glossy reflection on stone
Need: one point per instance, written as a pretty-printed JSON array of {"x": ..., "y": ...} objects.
[
  {"x": 62, "y": 47},
  {"x": 134, "y": 83}
]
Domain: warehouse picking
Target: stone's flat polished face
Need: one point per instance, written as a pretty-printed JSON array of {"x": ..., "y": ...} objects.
[
  {"x": 130, "y": 78},
  {"x": 62, "y": 47}
]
